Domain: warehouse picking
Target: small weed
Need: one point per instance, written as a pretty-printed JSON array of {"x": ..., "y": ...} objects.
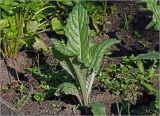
[
  {"x": 23, "y": 100},
  {"x": 136, "y": 35},
  {"x": 113, "y": 9},
  {"x": 127, "y": 19},
  {"x": 21, "y": 88},
  {"x": 39, "y": 96},
  {"x": 127, "y": 79}
]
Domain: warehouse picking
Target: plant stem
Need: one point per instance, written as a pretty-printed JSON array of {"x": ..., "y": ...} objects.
[
  {"x": 104, "y": 15},
  {"x": 82, "y": 82},
  {"x": 42, "y": 10},
  {"x": 19, "y": 23},
  {"x": 90, "y": 84},
  {"x": 80, "y": 78}
]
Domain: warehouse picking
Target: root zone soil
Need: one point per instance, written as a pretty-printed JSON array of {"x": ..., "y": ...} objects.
[{"x": 68, "y": 104}]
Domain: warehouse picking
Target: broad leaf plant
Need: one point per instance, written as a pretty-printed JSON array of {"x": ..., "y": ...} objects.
[{"x": 79, "y": 56}]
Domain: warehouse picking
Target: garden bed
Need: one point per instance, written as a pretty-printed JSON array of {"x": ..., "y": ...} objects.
[{"x": 134, "y": 40}]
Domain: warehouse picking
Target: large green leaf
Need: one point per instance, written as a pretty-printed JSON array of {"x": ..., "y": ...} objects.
[
  {"x": 97, "y": 52},
  {"x": 77, "y": 32}
]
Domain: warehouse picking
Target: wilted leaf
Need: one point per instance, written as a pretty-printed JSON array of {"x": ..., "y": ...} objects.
[
  {"x": 32, "y": 26},
  {"x": 40, "y": 45}
]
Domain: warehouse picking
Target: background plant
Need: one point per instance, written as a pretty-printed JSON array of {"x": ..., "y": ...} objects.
[
  {"x": 92, "y": 8},
  {"x": 19, "y": 23},
  {"x": 152, "y": 5}
]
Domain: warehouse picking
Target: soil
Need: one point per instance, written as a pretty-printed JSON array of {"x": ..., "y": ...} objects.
[{"x": 130, "y": 44}]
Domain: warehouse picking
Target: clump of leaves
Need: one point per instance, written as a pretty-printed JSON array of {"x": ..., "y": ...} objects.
[
  {"x": 151, "y": 72},
  {"x": 127, "y": 79},
  {"x": 153, "y": 6},
  {"x": 79, "y": 57},
  {"x": 19, "y": 24},
  {"x": 120, "y": 79},
  {"x": 21, "y": 88},
  {"x": 39, "y": 96},
  {"x": 49, "y": 81}
]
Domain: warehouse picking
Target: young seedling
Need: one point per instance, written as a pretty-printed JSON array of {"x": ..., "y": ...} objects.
[
  {"x": 127, "y": 19},
  {"x": 114, "y": 9}
]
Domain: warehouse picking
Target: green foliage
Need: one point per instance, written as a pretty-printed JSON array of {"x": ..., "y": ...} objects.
[
  {"x": 97, "y": 109},
  {"x": 123, "y": 107},
  {"x": 93, "y": 11},
  {"x": 21, "y": 88},
  {"x": 23, "y": 100},
  {"x": 114, "y": 9},
  {"x": 70, "y": 2},
  {"x": 40, "y": 45},
  {"x": 127, "y": 19},
  {"x": 153, "y": 6},
  {"x": 157, "y": 102},
  {"x": 149, "y": 55},
  {"x": 17, "y": 24},
  {"x": 136, "y": 34},
  {"x": 39, "y": 96},
  {"x": 79, "y": 57},
  {"x": 91, "y": 7},
  {"x": 68, "y": 89},
  {"x": 49, "y": 80},
  {"x": 57, "y": 26},
  {"x": 127, "y": 79}
]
